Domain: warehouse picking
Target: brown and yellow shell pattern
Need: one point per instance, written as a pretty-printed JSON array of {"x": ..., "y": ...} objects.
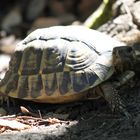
[{"x": 57, "y": 64}]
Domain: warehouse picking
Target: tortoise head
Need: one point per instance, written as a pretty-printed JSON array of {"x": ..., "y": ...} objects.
[{"x": 126, "y": 58}]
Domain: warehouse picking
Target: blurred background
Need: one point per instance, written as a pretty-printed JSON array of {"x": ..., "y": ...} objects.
[{"x": 20, "y": 16}]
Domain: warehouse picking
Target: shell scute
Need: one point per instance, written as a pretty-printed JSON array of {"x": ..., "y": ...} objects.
[
  {"x": 12, "y": 83},
  {"x": 30, "y": 63},
  {"x": 65, "y": 84},
  {"x": 5, "y": 80},
  {"x": 79, "y": 81},
  {"x": 53, "y": 57},
  {"x": 15, "y": 61},
  {"x": 23, "y": 87},
  {"x": 50, "y": 83},
  {"x": 35, "y": 85},
  {"x": 92, "y": 77},
  {"x": 50, "y": 61},
  {"x": 78, "y": 56}
]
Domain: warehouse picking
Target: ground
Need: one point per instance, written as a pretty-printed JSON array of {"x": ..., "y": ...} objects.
[
  {"x": 88, "y": 120},
  {"x": 84, "y": 120}
]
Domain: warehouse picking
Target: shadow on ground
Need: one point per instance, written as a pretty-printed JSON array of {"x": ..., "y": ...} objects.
[{"x": 88, "y": 120}]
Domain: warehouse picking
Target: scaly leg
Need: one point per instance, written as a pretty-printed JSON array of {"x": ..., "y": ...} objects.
[{"x": 111, "y": 95}]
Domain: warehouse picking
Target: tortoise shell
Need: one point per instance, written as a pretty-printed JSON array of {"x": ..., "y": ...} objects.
[{"x": 59, "y": 64}]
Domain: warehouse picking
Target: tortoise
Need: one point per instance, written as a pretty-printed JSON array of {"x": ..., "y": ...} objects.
[{"x": 67, "y": 63}]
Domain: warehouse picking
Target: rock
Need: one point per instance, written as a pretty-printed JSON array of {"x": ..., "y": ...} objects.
[
  {"x": 8, "y": 44},
  {"x": 56, "y": 8},
  {"x": 52, "y": 132},
  {"x": 87, "y": 7},
  {"x": 4, "y": 63},
  {"x": 43, "y": 22},
  {"x": 12, "y": 19},
  {"x": 70, "y": 5},
  {"x": 119, "y": 26},
  {"x": 67, "y": 19},
  {"x": 136, "y": 13},
  {"x": 126, "y": 5},
  {"x": 34, "y": 9}
]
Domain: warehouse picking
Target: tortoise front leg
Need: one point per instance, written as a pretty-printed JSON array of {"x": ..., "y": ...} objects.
[
  {"x": 111, "y": 95},
  {"x": 123, "y": 78}
]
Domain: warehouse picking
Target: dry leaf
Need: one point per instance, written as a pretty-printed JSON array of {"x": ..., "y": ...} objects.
[{"x": 13, "y": 124}]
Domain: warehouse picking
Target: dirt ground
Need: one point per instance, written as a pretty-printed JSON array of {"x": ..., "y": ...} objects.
[{"x": 88, "y": 120}]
